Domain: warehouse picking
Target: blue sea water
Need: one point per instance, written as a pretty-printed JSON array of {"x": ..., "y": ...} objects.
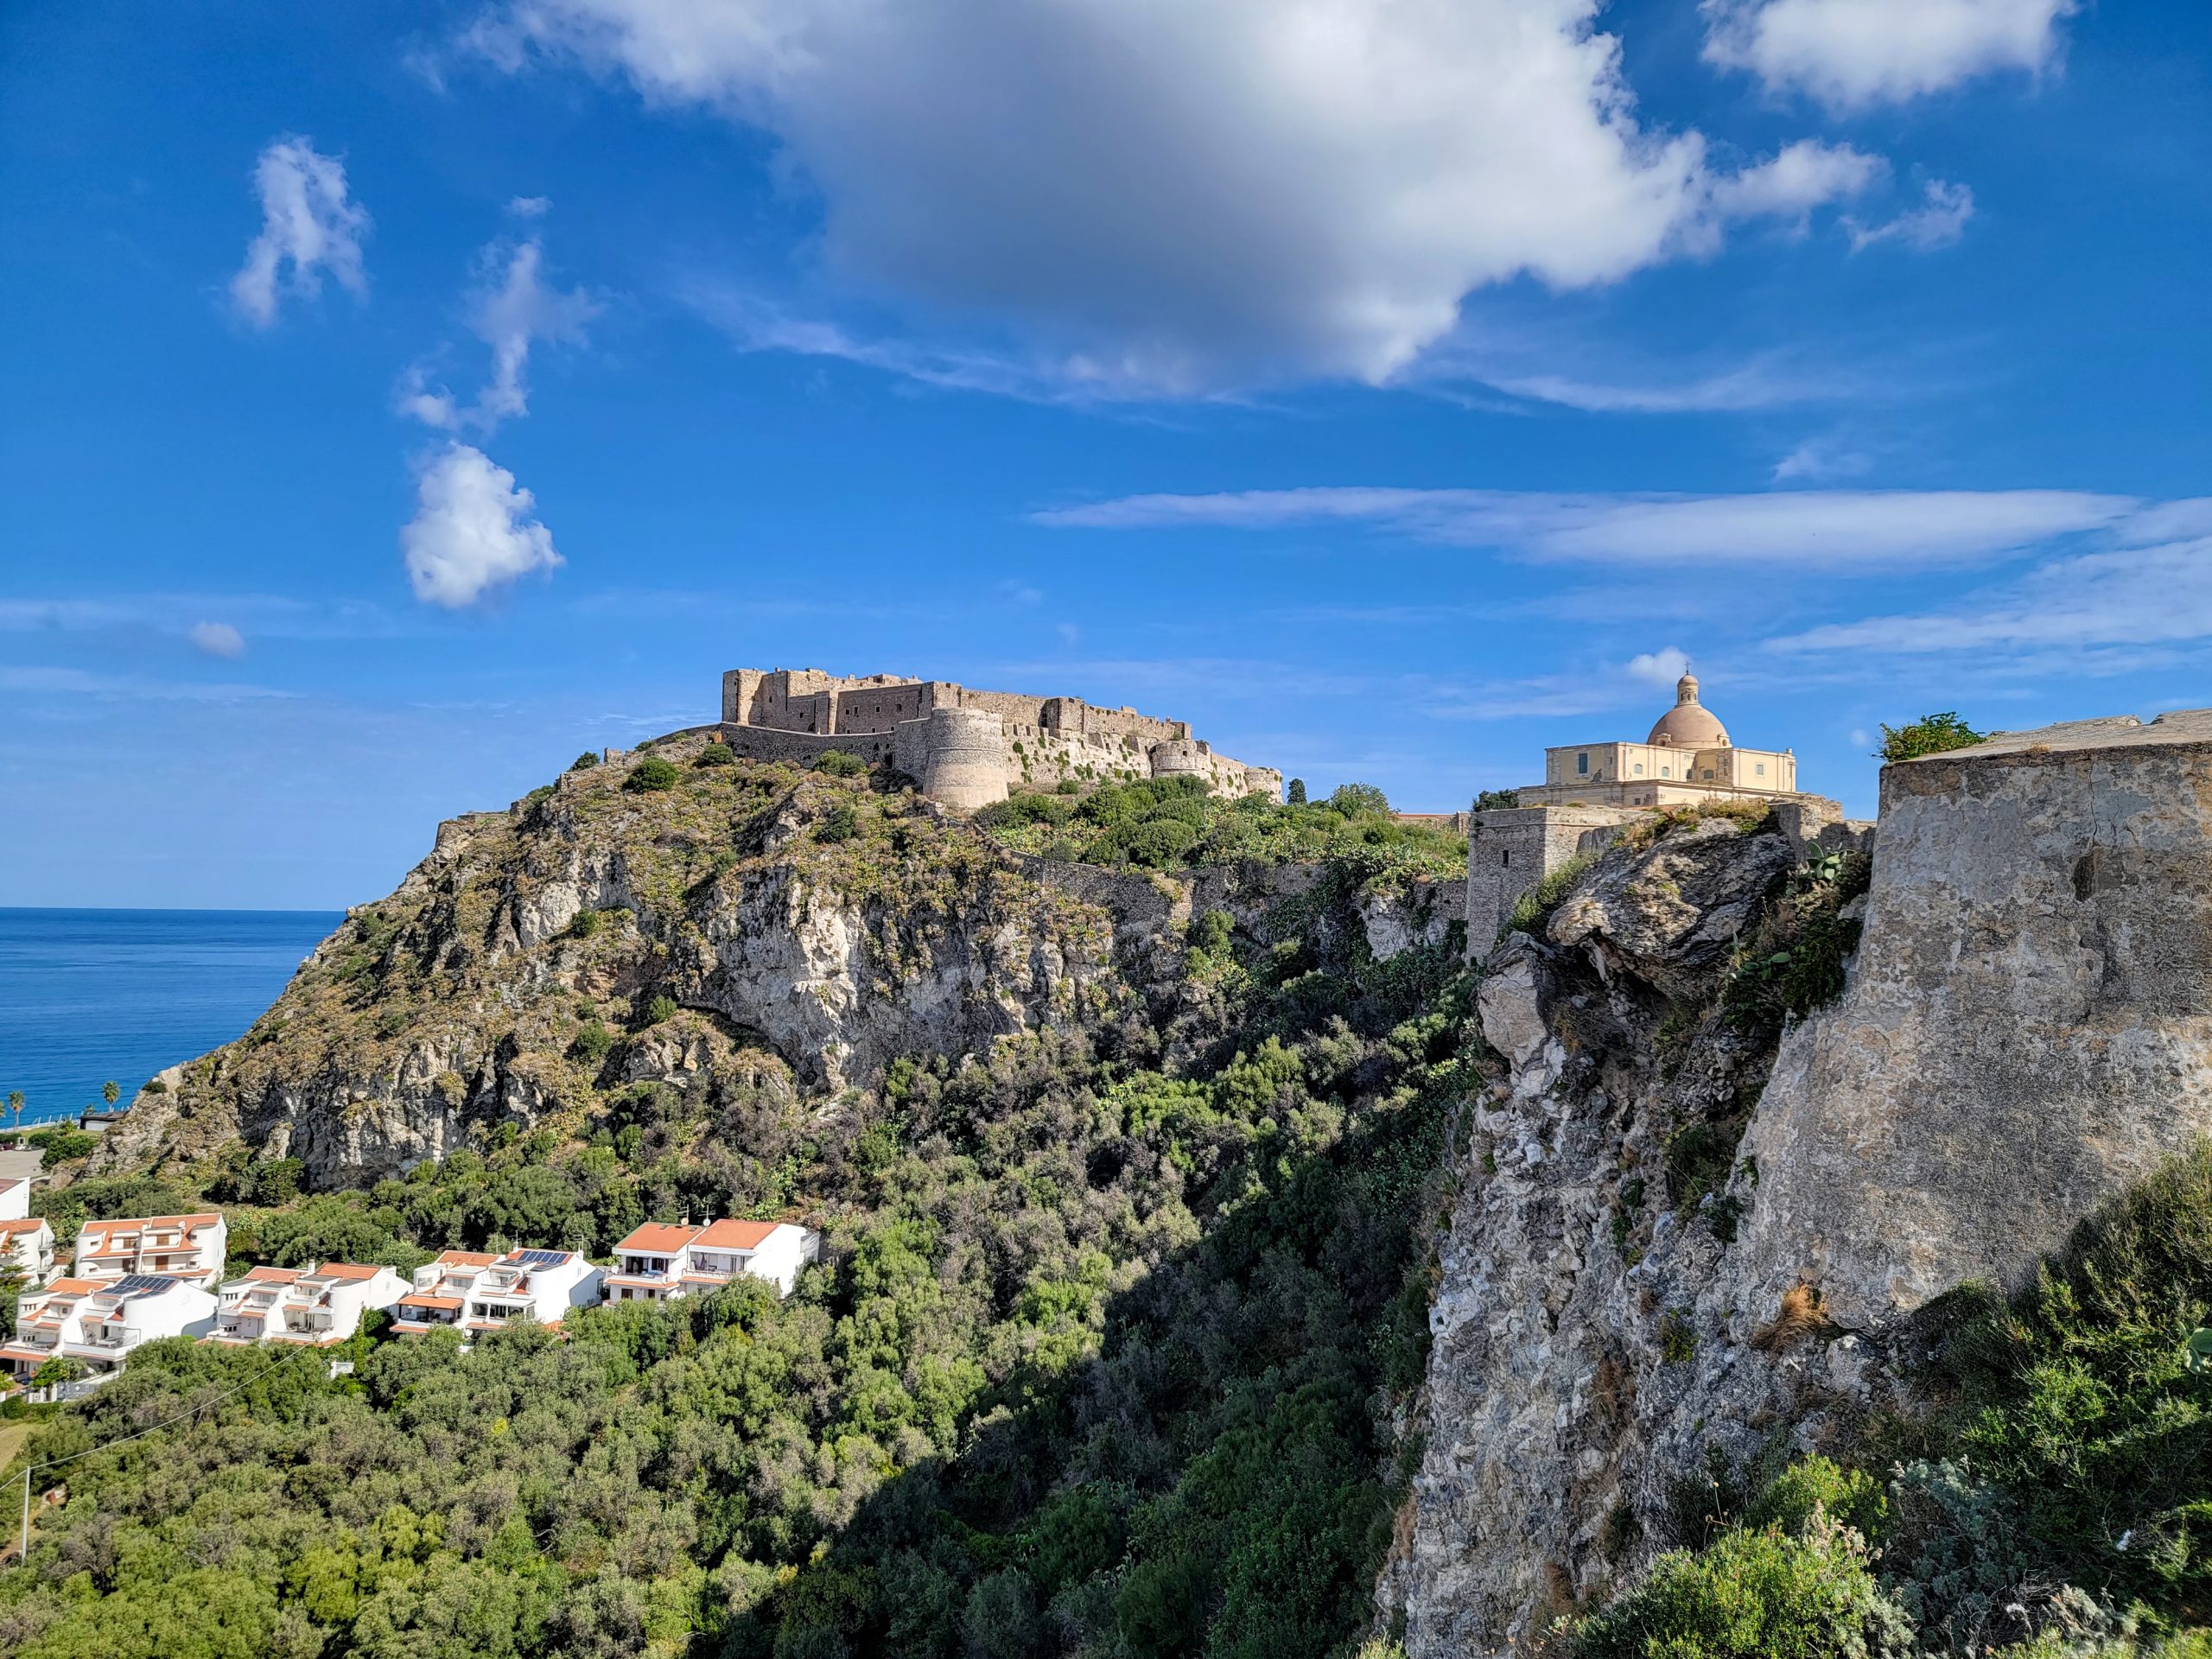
[{"x": 90, "y": 995}]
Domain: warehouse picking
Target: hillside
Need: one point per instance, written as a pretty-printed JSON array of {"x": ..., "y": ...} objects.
[{"x": 1124, "y": 1175}]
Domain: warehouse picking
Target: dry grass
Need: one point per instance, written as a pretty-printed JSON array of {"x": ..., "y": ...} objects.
[{"x": 1801, "y": 1317}]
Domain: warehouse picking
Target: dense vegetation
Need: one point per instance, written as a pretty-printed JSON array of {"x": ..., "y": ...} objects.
[
  {"x": 2060, "y": 1499},
  {"x": 1173, "y": 824},
  {"x": 1101, "y": 1358}
]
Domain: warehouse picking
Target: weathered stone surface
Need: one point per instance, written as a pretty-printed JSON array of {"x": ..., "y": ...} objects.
[{"x": 2028, "y": 1030}]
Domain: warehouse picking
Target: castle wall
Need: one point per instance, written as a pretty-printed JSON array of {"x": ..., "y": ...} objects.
[
  {"x": 1511, "y": 849},
  {"x": 2027, "y": 1028}
]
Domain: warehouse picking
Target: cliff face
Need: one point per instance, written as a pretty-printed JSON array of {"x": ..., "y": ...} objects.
[
  {"x": 592, "y": 936},
  {"x": 1687, "y": 1240}
]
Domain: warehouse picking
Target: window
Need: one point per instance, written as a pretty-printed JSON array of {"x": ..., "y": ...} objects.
[
  {"x": 1582, "y": 765},
  {"x": 1639, "y": 768},
  {"x": 1663, "y": 772},
  {"x": 1762, "y": 768},
  {"x": 1505, "y": 859},
  {"x": 1708, "y": 774}
]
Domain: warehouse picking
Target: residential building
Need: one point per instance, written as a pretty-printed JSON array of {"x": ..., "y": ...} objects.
[
  {"x": 98, "y": 1322},
  {"x": 661, "y": 1260},
  {"x": 314, "y": 1307},
  {"x": 475, "y": 1293},
  {"x": 27, "y": 1247},
  {"x": 15, "y": 1197},
  {"x": 190, "y": 1248}
]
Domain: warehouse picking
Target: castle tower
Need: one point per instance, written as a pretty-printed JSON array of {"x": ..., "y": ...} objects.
[
  {"x": 1180, "y": 757},
  {"x": 964, "y": 759}
]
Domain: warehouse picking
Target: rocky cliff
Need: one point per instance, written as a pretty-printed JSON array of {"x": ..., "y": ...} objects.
[
  {"x": 596, "y": 935},
  {"x": 1730, "y": 1144}
]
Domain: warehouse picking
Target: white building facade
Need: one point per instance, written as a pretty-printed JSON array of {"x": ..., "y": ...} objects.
[
  {"x": 310, "y": 1306},
  {"x": 26, "y": 1248},
  {"x": 99, "y": 1323},
  {"x": 661, "y": 1260},
  {"x": 473, "y": 1293},
  {"x": 190, "y": 1248}
]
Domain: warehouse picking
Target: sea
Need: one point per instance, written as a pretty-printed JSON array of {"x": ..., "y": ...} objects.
[{"x": 94, "y": 996}]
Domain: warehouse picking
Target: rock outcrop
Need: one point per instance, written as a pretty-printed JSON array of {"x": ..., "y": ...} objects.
[
  {"x": 1687, "y": 1242},
  {"x": 593, "y": 937}
]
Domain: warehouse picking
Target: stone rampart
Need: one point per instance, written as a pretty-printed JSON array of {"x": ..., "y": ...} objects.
[
  {"x": 2027, "y": 1028},
  {"x": 1511, "y": 849}
]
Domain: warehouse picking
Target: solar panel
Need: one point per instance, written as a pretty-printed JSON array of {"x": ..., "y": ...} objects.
[
  {"x": 541, "y": 1258},
  {"x": 131, "y": 1283}
]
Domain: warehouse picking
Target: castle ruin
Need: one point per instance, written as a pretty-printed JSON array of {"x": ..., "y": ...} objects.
[{"x": 967, "y": 748}]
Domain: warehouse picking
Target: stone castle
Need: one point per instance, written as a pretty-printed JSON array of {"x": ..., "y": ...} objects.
[
  {"x": 1590, "y": 790},
  {"x": 967, "y": 748}
]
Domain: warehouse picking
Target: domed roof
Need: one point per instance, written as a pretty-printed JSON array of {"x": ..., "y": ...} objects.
[{"x": 1689, "y": 724}]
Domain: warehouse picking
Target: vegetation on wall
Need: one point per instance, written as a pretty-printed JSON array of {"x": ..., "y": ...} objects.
[{"x": 1929, "y": 734}]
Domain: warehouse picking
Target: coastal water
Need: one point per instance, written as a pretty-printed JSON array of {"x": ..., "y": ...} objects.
[{"x": 87, "y": 997}]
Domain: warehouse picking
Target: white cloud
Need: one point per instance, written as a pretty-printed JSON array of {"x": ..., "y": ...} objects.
[
  {"x": 2128, "y": 597},
  {"x": 1752, "y": 386},
  {"x": 473, "y": 529},
  {"x": 1156, "y": 196},
  {"x": 529, "y": 206},
  {"x": 510, "y": 309},
  {"x": 1938, "y": 224},
  {"x": 308, "y": 223},
  {"x": 217, "y": 638},
  {"x": 1786, "y": 530},
  {"x": 1850, "y": 53},
  {"x": 1819, "y": 458},
  {"x": 1802, "y": 176},
  {"x": 1662, "y": 667}
]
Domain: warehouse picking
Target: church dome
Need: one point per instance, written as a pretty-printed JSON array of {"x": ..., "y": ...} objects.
[{"x": 1689, "y": 724}]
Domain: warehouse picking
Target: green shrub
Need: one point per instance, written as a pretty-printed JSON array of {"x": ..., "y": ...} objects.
[
  {"x": 839, "y": 823},
  {"x": 1539, "y": 901},
  {"x": 1159, "y": 844},
  {"x": 1929, "y": 734},
  {"x": 585, "y": 762},
  {"x": 651, "y": 774},
  {"x": 1359, "y": 800},
  {"x": 715, "y": 754},
  {"x": 1068, "y": 786},
  {"x": 660, "y": 1010},
  {"x": 1851, "y": 1495},
  {"x": 1492, "y": 800},
  {"x": 583, "y": 924},
  {"x": 61, "y": 1143},
  {"x": 837, "y": 763},
  {"x": 1760, "y": 1594},
  {"x": 592, "y": 1043}
]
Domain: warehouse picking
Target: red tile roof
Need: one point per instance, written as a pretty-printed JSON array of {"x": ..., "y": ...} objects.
[
  {"x": 350, "y": 1270},
  {"x": 464, "y": 1259},
  {"x": 658, "y": 1238},
  {"x": 275, "y": 1275},
  {"x": 735, "y": 1235},
  {"x": 430, "y": 1301}
]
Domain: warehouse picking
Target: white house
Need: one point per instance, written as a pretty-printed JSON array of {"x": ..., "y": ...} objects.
[
  {"x": 190, "y": 1248},
  {"x": 312, "y": 1306},
  {"x": 14, "y": 1198},
  {"x": 98, "y": 1322},
  {"x": 660, "y": 1260},
  {"x": 26, "y": 1246},
  {"x": 478, "y": 1293}
]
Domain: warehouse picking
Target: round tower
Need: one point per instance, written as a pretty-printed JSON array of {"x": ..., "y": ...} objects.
[
  {"x": 1180, "y": 757},
  {"x": 964, "y": 764}
]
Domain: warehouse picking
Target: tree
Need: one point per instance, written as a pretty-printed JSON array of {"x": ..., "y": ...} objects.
[
  {"x": 584, "y": 762},
  {"x": 57, "y": 1371},
  {"x": 650, "y": 774},
  {"x": 110, "y": 1091},
  {"x": 1496, "y": 799},
  {"x": 1296, "y": 793},
  {"x": 16, "y": 1107},
  {"x": 1929, "y": 734},
  {"x": 1356, "y": 800}
]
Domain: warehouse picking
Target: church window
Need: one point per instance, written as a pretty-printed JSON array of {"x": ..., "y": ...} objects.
[
  {"x": 1639, "y": 768},
  {"x": 1582, "y": 765},
  {"x": 1762, "y": 768},
  {"x": 1663, "y": 772}
]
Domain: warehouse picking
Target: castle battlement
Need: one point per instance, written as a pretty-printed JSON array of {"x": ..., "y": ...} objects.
[{"x": 966, "y": 748}]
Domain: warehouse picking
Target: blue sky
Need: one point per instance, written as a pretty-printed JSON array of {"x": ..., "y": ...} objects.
[{"x": 401, "y": 399}]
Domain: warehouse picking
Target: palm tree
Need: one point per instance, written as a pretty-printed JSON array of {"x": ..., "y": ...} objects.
[
  {"x": 15, "y": 1106},
  {"x": 110, "y": 1091}
]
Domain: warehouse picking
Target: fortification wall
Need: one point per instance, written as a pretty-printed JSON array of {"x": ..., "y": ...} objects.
[
  {"x": 1510, "y": 849},
  {"x": 2027, "y": 1028}
]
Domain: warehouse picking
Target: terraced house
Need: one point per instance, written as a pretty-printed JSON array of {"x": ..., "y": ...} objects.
[
  {"x": 663, "y": 1260},
  {"x": 473, "y": 1292},
  {"x": 311, "y": 1306},
  {"x": 99, "y": 1323},
  {"x": 189, "y": 1248}
]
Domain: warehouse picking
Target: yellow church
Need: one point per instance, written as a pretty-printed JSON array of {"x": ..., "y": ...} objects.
[{"x": 1686, "y": 758}]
